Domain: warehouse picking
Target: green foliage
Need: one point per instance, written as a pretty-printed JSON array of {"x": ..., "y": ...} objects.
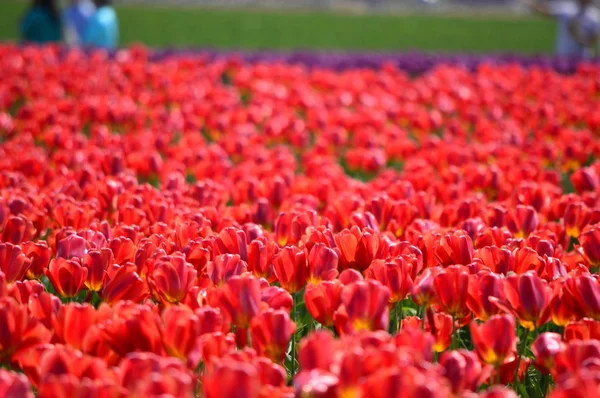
[{"x": 166, "y": 26}]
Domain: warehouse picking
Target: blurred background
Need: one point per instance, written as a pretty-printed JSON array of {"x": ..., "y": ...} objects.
[{"x": 465, "y": 26}]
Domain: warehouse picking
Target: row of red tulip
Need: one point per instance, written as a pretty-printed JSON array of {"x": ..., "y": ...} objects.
[{"x": 183, "y": 227}]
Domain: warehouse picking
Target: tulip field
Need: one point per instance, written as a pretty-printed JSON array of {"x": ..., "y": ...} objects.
[{"x": 195, "y": 224}]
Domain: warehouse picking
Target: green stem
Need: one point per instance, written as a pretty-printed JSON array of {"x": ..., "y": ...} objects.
[
  {"x": 401, "y": 303},
  {"x": 520, "y": 355},
  {"x": 497, "y": 373},
  {"x": 423, "y": 318},
  {"x": 452, "y": 337},
  {"x": 294, "y": 317}
]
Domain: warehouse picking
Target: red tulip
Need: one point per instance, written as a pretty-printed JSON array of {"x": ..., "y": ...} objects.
[
  {"x": 18, "y": 229},
  {"x": 67, "y": 276},
  {"x": 322, "y": 300},
  {"x": 451, "y": 289},
  {"x": 463, "y": 370},
  {"x": 364, "y": 307},
  {"x": 123, "y": 283},
  {"x": 454, "y": 248},
  {"x": 589, "y": 240},
  {"x": 522, "y": 221},
  {"x": 576, "y": 358},
  {"x": 316, "y": 351},
  {"x": 357, "y": 248},
  {"x": 239, "y": 299},
  {"x": 349, "y": 276},
  {"x": 585, "y": 293},
  {"x": 96, "y": 262},
  {"x": 182, "y": 329},
  {"x": 224, "y": 267},
  {"x": 291, "y": 268},
  {"x": 18, "y": 330},
  {"x": 527, "y": 298},
  {"x": 562, "y": 307},
  {"x": 277, "y": 298},
  {"x": 576, "y": 217},
  {"x": 498, "y": 260},
  {"x": 495, "y": 340},
  {"x": 260, "y": 256},
  {"x": 73, "y": 246},
  {"x": 13, "y": 262},
  {"x": 171, "y": 279},
  {"x": 271, "y": 332},
  {"x": 232, "y": 379},
  {"x": 14, "y": 385},
  {"x": 585, "y": 179},
  {"x": 322, "y": 264},
  {"x": 423, "y": 292},
  {"x": 394, "y": 274},
  {"x": 545, "y": 348},
  {"x": 440, "y": 326},
  {"x": 482, "y": 286},
  {"x": 72, "y": 323},
  {"x": 585, "y": 329},
  {"x": 39, "y": 253},
  {"x": 131, "y": 328}
]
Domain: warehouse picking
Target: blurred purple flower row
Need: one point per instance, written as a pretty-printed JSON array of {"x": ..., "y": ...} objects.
[{"x": 412, "y": 62}]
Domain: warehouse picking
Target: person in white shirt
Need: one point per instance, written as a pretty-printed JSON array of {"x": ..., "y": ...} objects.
[{"x": 578, "y": 26}]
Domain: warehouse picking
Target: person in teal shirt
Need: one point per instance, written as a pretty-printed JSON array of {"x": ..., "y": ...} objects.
[
  {"x": 103, "y": 28},
  {"x": 42, "y": 23}
]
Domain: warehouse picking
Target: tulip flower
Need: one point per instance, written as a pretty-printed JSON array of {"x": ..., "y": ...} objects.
[
  {"x": 451, "y": 287},
  {"x": 171, "y": 278},
  {"x": 271, "y": 332},
  {"x": 364, "y": 307},
  {"x": 72, "y": 322},
  {"x": 182, "y": 331},
  {"x": 495, "y": 340},
  {"x": 232, "y": 379},
  {"x": 277, "y": 298},
  {"x": 482, "y": 286},
  {"x": 260, "y": 256},
  {"x": 18, "y": 330},
  {"x": 322, "y": 264},
  {"x": 395, "y": 275},
  {"x": 463, "y": 370},
  {"x": 545, "y": 348},
  {"x": 584, "y": 290},
  {"x": 224, "y": 267},
  {"x": 132, "y": 328},
  {"x": 239, "y": 299},
  {"x": 13, "y": 262},
  {"x": 454, "y": 248},
  {"x": 322, "y": 300},
  {"x": 584, "y": 329},
  {"x": 527, "y": 298},
  {"x": 291, "y": 268},
  {"x": 97, "y": 262},
  {"x": 123, "y": 283},
  {"x": 522, "y": 221},
  {"x": 589, "y": 240},
  {"x": 576, "y": 217},
  {"x": 14, "y": 385},
  {"x": 67, "y": 276},
  {"x": 357, "y": 247},
  {"x": 39, "y": 253}
]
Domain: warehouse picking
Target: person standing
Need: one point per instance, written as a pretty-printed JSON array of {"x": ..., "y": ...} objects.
[
  {"x": 578, "y": 26},
  {"x": 41, "y": 24},
  {"x": 76, "y": 18},
  {"x": 103, "y": 28}
]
